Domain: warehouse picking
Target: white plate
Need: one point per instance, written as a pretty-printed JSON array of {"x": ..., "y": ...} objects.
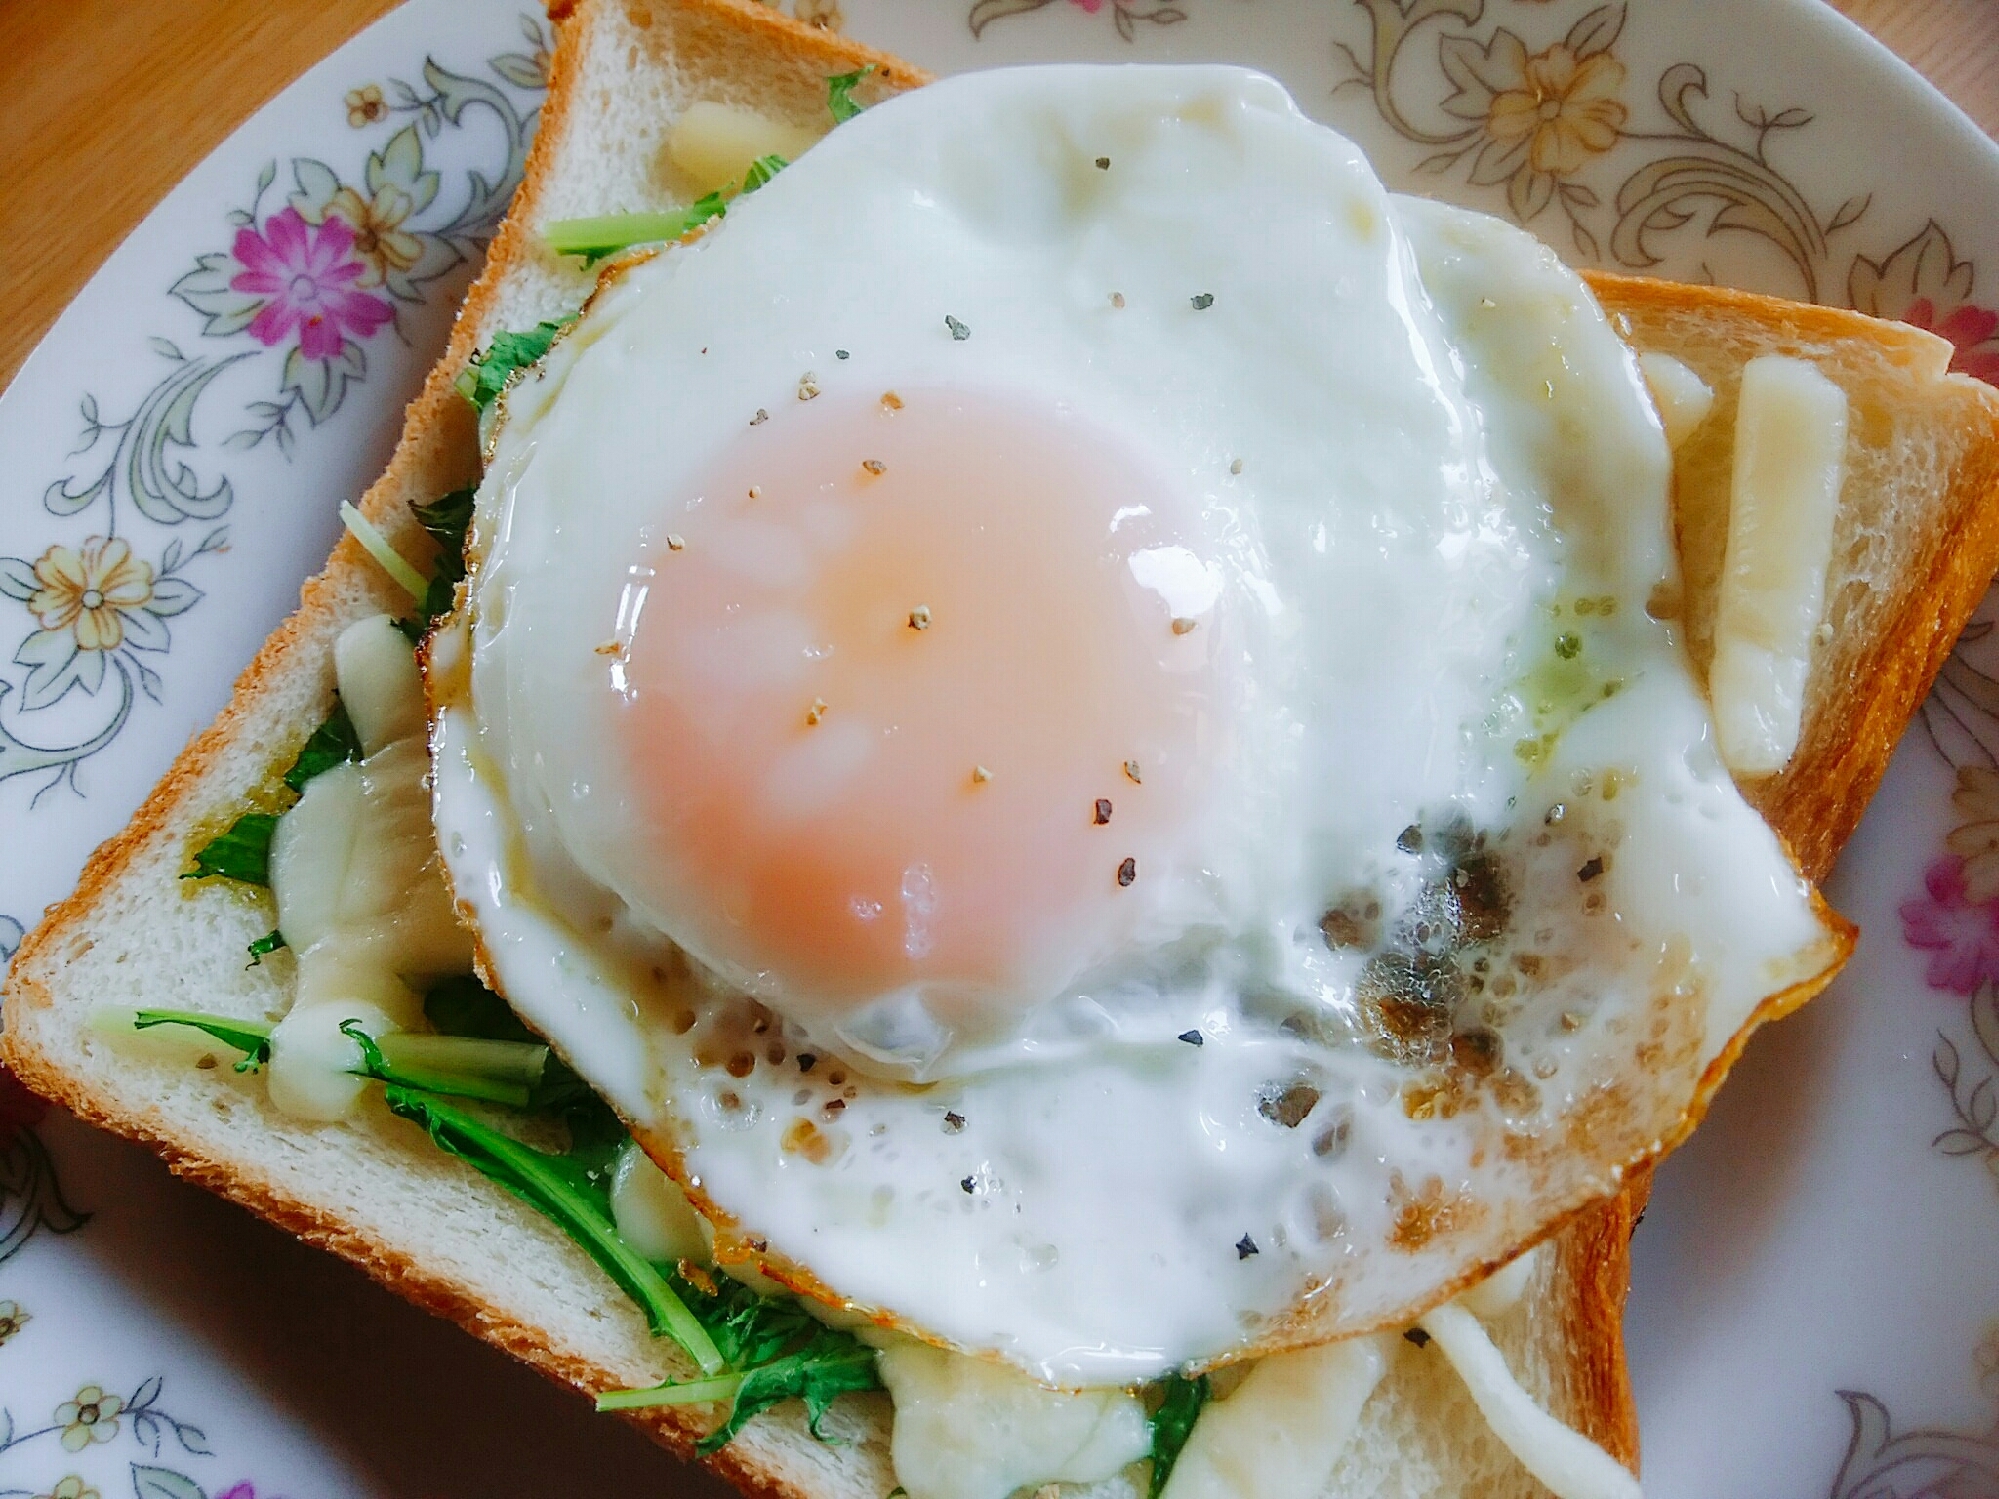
[{"x": 1827, "y": 1234}]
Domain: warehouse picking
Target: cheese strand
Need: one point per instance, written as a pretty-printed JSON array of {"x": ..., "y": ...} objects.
[{"x": 1569, "y": 1463}]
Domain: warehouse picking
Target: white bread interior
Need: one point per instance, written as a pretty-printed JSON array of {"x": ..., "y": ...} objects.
[{"x": 1919, "y": 537}]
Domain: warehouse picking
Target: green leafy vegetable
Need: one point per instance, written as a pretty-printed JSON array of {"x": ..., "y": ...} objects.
[
  {"x": 557, "y": 1187},
  {"x": 265, "y": 945},
  {"x": 446, "y": 520},
  {"x": 687, "y": 1392},
  {"x": 840, "y": 94},
  {"x": 508, "y": 1081},
  {"x": 779, "y": 1352},
  {"x": 829, "y": 1365},
  {"x": 1173, "y": 1423},
  {"x": 465, "y": 1007},
  {"x": 762, "y": 170},
  {"x": 251, "y": 1037},
  {"x": 332, "y": 743},
  {"x": 482, "y": 380},
  {"x": 607, "y": 234},
  {"x": 242, "y": 853},
  {"x": 755, "y": 1351}
]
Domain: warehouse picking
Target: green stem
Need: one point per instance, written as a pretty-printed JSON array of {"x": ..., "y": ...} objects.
[
  {"x": 540, "y": 1181},
  {"x": 689, "y": 1392},
  {"x": 609, "y": 233},
  {"x": 521, "y": 1062},
  {"x": 251, "y": 1037}
]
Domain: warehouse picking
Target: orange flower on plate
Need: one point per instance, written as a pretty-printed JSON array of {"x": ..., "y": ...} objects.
[
  {"x": 1976, "y": 839},
  {"x": 365, "y": 105},
  {"x": 85, "y": 591},
  {"x": 1565, "y": 108},
  {"x": 1536, "y": 119},
  {"x": 380, "y": 242}
]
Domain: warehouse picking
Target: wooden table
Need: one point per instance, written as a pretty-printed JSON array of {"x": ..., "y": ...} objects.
[{"x": 110, "y": 102}]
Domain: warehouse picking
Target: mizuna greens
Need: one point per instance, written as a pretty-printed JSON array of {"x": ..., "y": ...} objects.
[{"x": 754, "y": 1351}]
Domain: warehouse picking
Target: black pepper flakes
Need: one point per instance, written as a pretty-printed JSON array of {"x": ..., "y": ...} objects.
[
  {"x": 840, "y": 354},
  {"x": 1192, "y": 1038},
  {"x": 1417, "y": 1336},
  {"x": 953, "y": 1123},
  {"x": 1101, "y": 813},
  {"x": 959, "y": 332},
  {"x": 760, "y": 418},
  {"x": 1127, "y": 872},
  {"x": 1103, "y": 163},
  {"x": 1204, "y": 301},
  {"x": 807, "y": 1061},
  {"x": 1410, "y": 839},
  {"x": 1245, "y": 1247},
  {"x": 1590, "y": 870},
  {"x": 968, "y": 1185}
]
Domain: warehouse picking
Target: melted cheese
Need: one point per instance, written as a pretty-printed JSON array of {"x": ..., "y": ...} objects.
[
  {"x": 712, "y": 145},
  {"x": 360, "y": 893},
  {"x": 966, "y": 1428},
  {"x": 652, "y": 1213},
  {"x": 1502, "y": 1290},
  {"x": 1282, "y": 1430},
  {"x": 1569, "y": 1463},
  {"x": 1684, "y": 399},
  {"x": 1790, "y": 461},
  {"x": 379, "y": 683}
]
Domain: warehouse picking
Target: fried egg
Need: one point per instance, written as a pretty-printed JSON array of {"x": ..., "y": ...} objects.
[{"x": 1062, "y": 712}]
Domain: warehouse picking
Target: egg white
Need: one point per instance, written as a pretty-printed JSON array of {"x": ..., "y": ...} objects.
[{"x": 1204, "y": 1139}]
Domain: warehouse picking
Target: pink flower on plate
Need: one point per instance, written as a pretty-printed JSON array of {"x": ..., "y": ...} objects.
[
  {"x": 1961, "y": 936},
  {"x": 307, "y": 271},
  {"x": 244, "y": 1490},
  {"x": 1924, "y": 283},
  {"x": 1090, "y": 6},
  {"x": 1966, "y": 327}
]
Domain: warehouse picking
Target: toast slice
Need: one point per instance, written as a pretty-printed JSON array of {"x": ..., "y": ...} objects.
[{"x": 1918, "y": 537}]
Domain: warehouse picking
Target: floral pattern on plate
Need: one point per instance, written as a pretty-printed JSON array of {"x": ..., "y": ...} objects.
[
  {"x": 1531, "y": 126},
  {"x": 1125, "y": 14},
  {"x": 304, "y": 285}
]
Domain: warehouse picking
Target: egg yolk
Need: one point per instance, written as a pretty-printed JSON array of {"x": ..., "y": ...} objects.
[{"x": 914, "y": 688}]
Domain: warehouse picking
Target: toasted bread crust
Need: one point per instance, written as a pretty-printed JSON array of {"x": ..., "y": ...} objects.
[
  {"x": 1814, "y": 808},
  {"x": 1853, "y": 728}
]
